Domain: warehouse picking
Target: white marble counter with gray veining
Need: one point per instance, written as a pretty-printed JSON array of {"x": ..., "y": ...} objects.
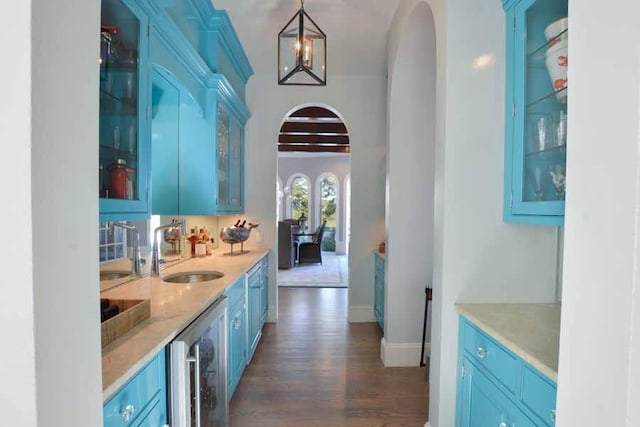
[
  {"x": 531, "y": 331},
  {"x": 173, "y": 307}
]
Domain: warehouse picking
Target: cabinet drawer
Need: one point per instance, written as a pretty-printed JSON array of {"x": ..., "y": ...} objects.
[
  {"x": 492, "y": 356},
  {"x": 236, "y": 292},
  {"x": 539, "y": 395},
  {"x": 142, "y": 391}
]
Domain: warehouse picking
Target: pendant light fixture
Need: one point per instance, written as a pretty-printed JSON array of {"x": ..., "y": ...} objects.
[{"x": 302, "y": 52}]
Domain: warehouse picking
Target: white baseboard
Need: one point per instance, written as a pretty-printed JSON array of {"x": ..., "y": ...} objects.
[
  {"x": 361, "y": 314},
  {"x": 401, "y": 354}
]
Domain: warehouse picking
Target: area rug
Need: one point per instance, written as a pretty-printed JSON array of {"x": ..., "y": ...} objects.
[{"x": 332, "y": 273}]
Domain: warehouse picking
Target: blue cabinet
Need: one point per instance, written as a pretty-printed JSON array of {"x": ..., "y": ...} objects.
[
  {"x": 536, "y": 111},
  {"x": 142, "y": 401},
  {"x": 254, "y": 282},
  {"x": 198, "y": 143},
  {"x": 378, "y": 296},
  {"x": 124, "y": 139},
  {"x": 247, "y": 314},
  {"x": 264, "y": 301},
  {"x": 237, "y": 337},
  {"x": 496, "y": 387}
]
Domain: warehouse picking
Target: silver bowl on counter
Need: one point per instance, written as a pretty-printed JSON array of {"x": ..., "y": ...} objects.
[{"x": 237, "y": 234}]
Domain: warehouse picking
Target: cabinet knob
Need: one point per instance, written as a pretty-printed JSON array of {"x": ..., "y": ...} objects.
[
  {"x": 503, "y": 425},
  {"x": 236, "y": 323},
  {"x": 482, "y": 353},
  {"x": 127, "y": 413}
]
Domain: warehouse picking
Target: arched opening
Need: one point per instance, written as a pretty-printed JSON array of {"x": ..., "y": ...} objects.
[
  {"x": 327, "y": 209},
  {"x": 409, "y": 221},
  {"x": 347, "y": 212},
  {"x": 279, "y": 196},
  {"x": 314, "y": 143},
  {"x": 298, "y": 196}
]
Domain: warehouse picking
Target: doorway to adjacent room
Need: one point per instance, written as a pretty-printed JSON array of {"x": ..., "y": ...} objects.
[{"x": 313, "y": 198}]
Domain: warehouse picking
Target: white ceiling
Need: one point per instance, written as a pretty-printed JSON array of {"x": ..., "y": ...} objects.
[{"x": 356, "y": 31}]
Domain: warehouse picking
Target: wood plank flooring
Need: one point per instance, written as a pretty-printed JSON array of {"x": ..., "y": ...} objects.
[{"x": 313, "y": 368}]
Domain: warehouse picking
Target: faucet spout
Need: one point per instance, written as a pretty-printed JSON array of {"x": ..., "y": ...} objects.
[
  {"x": 155, "y": 253},
  {"x": 136, "y": 259}
]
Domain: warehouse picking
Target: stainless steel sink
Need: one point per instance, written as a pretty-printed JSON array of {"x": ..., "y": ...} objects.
[
  {"x": 193, "y": 277},
  {"x": 112, "y": 275}
]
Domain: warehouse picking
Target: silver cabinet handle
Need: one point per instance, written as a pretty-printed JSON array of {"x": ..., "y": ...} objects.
[
  {"x": 553, "y": 415},
  {"x": 237, "y": 323},
  {"x": 196, "y": 360},
  {"x": 127, "y": 413},
  {"x": 482, "y": 353},
  {"x": 503, "y": 425}
]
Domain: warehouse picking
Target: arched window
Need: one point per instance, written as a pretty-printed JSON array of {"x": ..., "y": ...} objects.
[
  {"x": 327, "y": 201},
  {"x": 298, "y": 191},
  {"x": 279, "y": 194}
]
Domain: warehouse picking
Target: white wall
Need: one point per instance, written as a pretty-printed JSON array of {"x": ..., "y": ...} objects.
[
  {"x": 17, "y": 366},
  {"x": 49, "y": 311},
  {"x": 65, "y": 212},
  {"x": 477, "y": 258},
  {"x": 314, "y": 167},
  {"x": 410, "y": 187},
  {"x": 599, "y": 372},
  {"x": 362, "y": 102}
]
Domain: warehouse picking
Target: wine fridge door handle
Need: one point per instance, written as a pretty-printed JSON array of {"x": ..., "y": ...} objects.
[
  {"x": 196, "y": 350},
  {"x": 195, "y": 359}
]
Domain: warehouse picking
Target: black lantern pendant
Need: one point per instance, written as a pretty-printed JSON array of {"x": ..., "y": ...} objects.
[{"x": 302, "y": 52}]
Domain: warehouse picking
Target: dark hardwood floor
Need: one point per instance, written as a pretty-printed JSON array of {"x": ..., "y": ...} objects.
[{"x": 315, "y": 369}]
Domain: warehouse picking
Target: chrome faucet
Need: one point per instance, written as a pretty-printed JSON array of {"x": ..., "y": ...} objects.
[
  {"x": 155, "y": 253},
  {"x": 136, "y": 260}
]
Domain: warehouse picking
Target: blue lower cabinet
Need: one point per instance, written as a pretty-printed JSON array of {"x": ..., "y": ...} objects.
[
  {"x": 237, "y": 344},
  {"x": 497, "y": 388},
  {"x": 378, "y": 295},
  {"x": 264, "y": 301},
  {"x": 237, "y": 336},
  {"x": 142, "y": 401},
  {"x": 254, "y": 281}
]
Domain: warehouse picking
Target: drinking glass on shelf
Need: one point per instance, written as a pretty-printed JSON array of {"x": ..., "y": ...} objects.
[
  {"x": 560, "y": 127},
  {"x": 535, "y": 175},
  {"x": 559, "y": 179},
  {"x": 543, "y": 126}
]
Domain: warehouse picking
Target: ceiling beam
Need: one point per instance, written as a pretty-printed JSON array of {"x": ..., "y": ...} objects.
[{"x": 314, "y": 148}]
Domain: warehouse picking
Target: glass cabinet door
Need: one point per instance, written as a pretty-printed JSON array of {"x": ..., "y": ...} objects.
[
  {"x": 540, "y": 107},
  {"x": 122, "y": 100},
  {"x": 236, "y": 165},
  {"x": 223, "y": 157}
]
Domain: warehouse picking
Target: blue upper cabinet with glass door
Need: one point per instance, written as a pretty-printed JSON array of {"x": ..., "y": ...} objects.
[
  {"x": 124, "y": 101},
  {"x": 536, "y": 122}
]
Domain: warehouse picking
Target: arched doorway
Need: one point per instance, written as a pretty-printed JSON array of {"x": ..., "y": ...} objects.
[
  {"x": 313, "y": 143},
  {"x": 409, "y": 221}
]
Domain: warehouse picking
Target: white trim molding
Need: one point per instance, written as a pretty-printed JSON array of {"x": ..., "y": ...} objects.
[
  {"x": 361, "y": 314},
  {"x": 401, "y": 354}
]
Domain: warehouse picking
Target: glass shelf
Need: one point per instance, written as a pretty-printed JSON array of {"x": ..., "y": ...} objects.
[
  {"x": 549, "y": 154},
  {"x": 119, "y": 152},
  {"x": 549, "y": 97},
  {"x": 538, "y": 56}
]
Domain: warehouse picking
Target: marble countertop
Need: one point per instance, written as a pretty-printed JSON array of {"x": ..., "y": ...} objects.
[
  {"x": 532, "y": 331},
  {"x": 173, "y": 307}
]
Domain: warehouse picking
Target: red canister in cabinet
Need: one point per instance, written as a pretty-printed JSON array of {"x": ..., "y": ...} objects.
[{"x": 119, "y": 176}]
